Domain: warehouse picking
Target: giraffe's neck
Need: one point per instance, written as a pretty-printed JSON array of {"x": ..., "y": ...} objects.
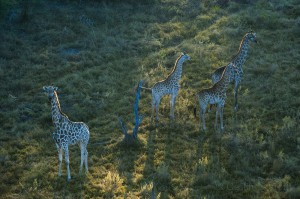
[
  {"x": 57, "y": 115},
  {"x": 242, "y": 54},
  {"x": 177, "y": 71},
  {"x": 225, "y": 80}
]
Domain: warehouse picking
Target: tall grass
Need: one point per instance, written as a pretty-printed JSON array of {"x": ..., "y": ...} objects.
[{"x": 97, "y": 51}]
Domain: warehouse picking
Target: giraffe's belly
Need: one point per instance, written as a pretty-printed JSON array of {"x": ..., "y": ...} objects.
[
  {"x": 165, "y": 89},
  {"x": 67, "y": 137},
  {"x": 214, "y": 100},
  {"x": 60, "y": 138}
]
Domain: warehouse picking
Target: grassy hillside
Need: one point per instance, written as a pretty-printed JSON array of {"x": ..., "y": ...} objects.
[{"x": 97, "y": 51}]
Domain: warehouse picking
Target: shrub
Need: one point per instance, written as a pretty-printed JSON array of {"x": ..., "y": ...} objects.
[{"x": 112, "y": 185}]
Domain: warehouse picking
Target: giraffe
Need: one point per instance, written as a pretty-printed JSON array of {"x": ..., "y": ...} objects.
[
  {"x": 216, "y": 95},
  {"x": 67, "y": 132},
  {"x": 168, "y": 86},
  {"x": 238, "y": 60}
]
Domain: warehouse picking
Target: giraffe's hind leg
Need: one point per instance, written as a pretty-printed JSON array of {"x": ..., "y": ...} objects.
[
  {"x": 82, "y": 155},
  {"x": 86, "y": 160}
]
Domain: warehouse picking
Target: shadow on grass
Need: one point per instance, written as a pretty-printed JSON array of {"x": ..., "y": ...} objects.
[
  {"x": 74, "y": 188},
  {"x": 127, "y": 156}
]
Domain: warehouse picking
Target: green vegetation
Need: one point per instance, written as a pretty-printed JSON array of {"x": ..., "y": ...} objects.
[{"x": 97, "y": 51}]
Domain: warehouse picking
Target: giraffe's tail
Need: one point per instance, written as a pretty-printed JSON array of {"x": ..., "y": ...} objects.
[
  {"x": 195, "y": 106},
  {"x": 146, "y": 88}
]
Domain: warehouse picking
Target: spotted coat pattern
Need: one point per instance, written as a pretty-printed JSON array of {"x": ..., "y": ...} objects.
[
  {"x": 169, "y": 86},
  {"x": 216, "y": 95},
  {"x": 67, "y": 132},
  {"x": 238, "y": 61}
]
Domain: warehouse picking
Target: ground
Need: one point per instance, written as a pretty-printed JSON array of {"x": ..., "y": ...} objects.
[{"x": 96, "y": 52}]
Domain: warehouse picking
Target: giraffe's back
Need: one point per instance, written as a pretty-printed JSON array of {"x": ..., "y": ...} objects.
[
  {"x": 80, "y": 132},
  {"x": 217, "y": 74},
  {"x": 71, "y": 133},
  {"x": 165, "y": 87},
  {"x": 211, "y": 96}
]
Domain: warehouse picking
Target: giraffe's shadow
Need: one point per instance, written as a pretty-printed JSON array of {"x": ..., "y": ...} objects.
[{"x": 127, "y": 156}]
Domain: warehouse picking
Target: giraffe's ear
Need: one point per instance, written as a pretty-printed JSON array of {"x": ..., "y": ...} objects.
[
  {"x": 182, "y": 53},
  {"x": 55, "y": 88}
]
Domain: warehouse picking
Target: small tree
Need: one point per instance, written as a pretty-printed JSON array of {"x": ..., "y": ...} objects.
[{"x": 130, "y": 138}]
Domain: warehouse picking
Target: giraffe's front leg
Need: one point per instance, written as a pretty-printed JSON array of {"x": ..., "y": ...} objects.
[
  {"x": 172, "y": 105},
  {"x": 221, "y": 117},
  {"x": 217, "y": 115},
  {"x": 59, "y": 149},
  {"x": 153, "y": 110},
  {"x": 236, "y": 88},
  {"x": 67, "y": 162},
  {"x": 157, "y": 102},
  {"x": 202, "y": 113}
]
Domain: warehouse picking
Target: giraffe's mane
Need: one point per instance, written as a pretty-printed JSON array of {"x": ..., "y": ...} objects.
[
  {"x": 58, "y": 105},
  {"x": 175, "y": 66},
  {"x": 244, "y": 37},
  {"x": 226, "y": 68}
]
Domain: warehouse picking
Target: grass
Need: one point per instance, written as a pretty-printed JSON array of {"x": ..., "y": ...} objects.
[{"x": 96, "y": 52}]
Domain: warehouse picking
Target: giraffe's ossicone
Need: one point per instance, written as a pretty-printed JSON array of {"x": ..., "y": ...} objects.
[
  {"x": 238, "y": 60},
  {"x": 67, "y": 132}
]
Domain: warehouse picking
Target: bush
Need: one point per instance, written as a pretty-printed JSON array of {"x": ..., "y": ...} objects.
[{"x": 112, "y": 185}]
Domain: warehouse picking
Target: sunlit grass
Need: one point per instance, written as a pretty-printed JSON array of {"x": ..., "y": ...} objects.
[{"x": 97, "y": 52}]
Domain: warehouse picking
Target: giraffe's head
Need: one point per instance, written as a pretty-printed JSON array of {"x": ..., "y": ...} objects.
[
  {"x": 185, "y": 56},
  {"x": 49, "y": 90},
  {"x": 251, "y": 36}
]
